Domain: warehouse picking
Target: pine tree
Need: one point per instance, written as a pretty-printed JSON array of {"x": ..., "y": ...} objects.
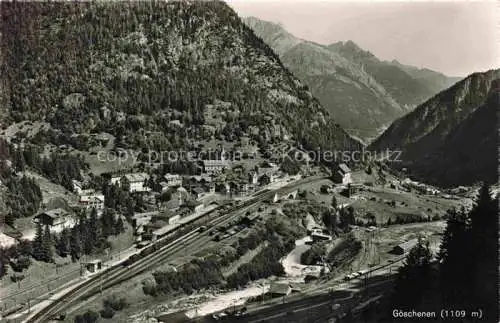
[
  {"x": 119, "y": 226},
  {"x": 75, "y": 244},
  {"x": 108, "y": 223},
  {"x": 334, "y": 203},
  {"x": 484, "y": 256},
  {"x": 454, "y": 246},
  {"x": 414, "y": 277},
  {"x": 3, "y": 263},
  {"x": 38, "y": 252},
  {"x": 63, "y": 243},
  {"x": 47, "y": 245},
  {"x": 469, "y": 254}
]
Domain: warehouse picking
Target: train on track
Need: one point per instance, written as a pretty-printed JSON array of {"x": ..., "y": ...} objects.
[{"x": 164, "y": 237}]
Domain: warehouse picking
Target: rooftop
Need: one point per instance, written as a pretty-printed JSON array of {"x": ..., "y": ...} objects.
[
  {"x": 145, "y": 214},
  {"x": 136, "y": 177},
  {"x": 343, "y": 167},
  {"x": 55, "y": 213},
  {"x": 177, "y": 317},
  {"x": 172, "y": 176},
  {"x": 198, "y": 190},
  {"x": 266, "y": 171},
  {"x": 408, "y": 244},
  {"x": 280, "y": 288},
  {"x": 93, "y": 197},
  {"x": 216, "y": 162},
  {"x": 198, "y": 178}
]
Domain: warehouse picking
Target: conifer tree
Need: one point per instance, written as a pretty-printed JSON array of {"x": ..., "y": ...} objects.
[
  {"x": 334, "y": 203},
  {"x": 75, "y": 244},
  {"x": 3, "y": 263},
  {"x": 107, "y": 223},
  {"x": 414, "y": 277},
  {"x": 38, "y": 252},
  {"x": 484, "y": 256},
  {"x": 48, "y": 245},
  {"x": 119, "y": 226},
  {"x": 63, "y": 243},
  {"x": 454, "y": 246}
]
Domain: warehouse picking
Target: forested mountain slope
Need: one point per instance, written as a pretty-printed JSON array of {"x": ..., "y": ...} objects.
[
  {"x": 452, "y": 138},
  {"x": 362, "y": 92},
  {"x": 135, "y": 68}
]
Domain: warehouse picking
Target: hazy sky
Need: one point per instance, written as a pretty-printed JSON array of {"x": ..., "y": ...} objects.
[{"x": 453, "y": 37}]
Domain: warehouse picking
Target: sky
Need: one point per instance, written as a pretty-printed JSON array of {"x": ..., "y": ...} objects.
[{"x": 456, "y": 38}]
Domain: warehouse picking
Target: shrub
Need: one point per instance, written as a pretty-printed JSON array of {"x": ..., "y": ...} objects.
[
  {"x": 87, "y": 317},
  {"x": 115, "y": 303},
  {"x": 107, "y": 313},
  {"x": 150, "y": 290},
  {"x": 21, "y": 263},
  {"x": 16, "y": 278},
  {"x": 309, "y": 278}
]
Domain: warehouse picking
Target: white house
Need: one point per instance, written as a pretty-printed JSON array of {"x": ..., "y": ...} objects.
[
  {"x": 253, "y": 178},
  {"x": 136, "y": 181},
  {"x": 342, "y": 175},
  {"x": 318, "y": 235},
  {"x": 77, "y": 186},
  {"x": 94, "y": 200},
  {"x": 215, "y": 166},
  {"x": 270, "y": 172},
  {"x": 141, "y": 219},
  {"x": 116, "y": 180},
  {"x": 56, "y": 219},
  {"x": 173, "y": 179}
]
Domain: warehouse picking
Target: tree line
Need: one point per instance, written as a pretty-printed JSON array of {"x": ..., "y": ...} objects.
[
  {"x": 90, "y": 235},
  {"x": 467, "y": 268},
  {"x": 205, "y": 273}
]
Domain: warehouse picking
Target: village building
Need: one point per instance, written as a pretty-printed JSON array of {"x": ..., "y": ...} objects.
[
  {"x": 101, "y": 139},
  {"x": 92, "y": 266},
  {"x": 215, "y": 166},
  {"x": 203, "y": 178},
  {"x": 197, "y": 192},
  {"x": 136, "y": 181},
  {"x": 178, "y": 317},
  {"x": 318, "y": 235},
  {"x": 405, "y": 247},
  {"x": 176, "y": 201},
  {"x": 342, "y": 175},
  {"x": 105, "y": 112},
  {"x": 266, "y": 175},
  {"x": 163, "y": 186},
  {"x": 280, "y": 289},
  {"x": 173, "y": 180},
  {"x": 77, "y": 186},
  {"x": 56, "y": 219},
  {"x": 250, "y": 219},
  {"x": 92, "y": 201},
  {"x": 196, "y": 207},
  {"x": 170, "y": 220},
  {"x": 253, "y": 178},
  {"x": 143, "y": 218},
  {"x": 353, "y": 188}
]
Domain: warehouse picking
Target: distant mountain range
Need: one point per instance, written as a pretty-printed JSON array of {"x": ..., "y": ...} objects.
[
  {"x": 363, "y": 93},
  {"x": 451, "y": 139}
]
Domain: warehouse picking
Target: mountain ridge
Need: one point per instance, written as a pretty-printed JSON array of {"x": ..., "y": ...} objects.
[
  {"x": 133, "y": 69},
  {"x": 350, "y": 81},
  {"x": 440, "y": 139}
]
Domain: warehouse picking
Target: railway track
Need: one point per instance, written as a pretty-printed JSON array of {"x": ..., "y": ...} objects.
[{"x": 174, "y": 243}]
